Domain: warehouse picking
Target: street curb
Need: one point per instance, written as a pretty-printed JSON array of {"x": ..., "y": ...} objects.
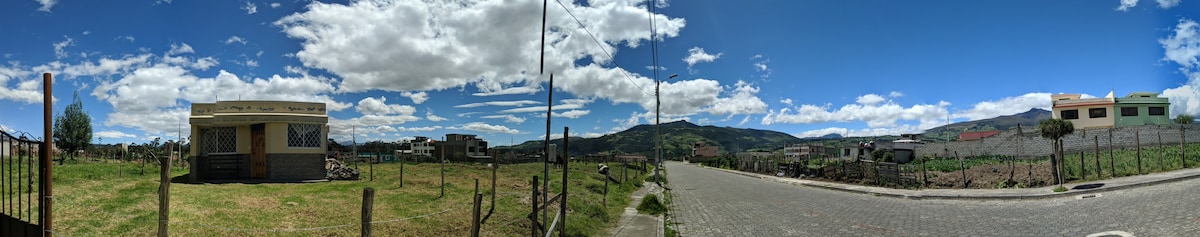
[{"x": 960, "y": 197}]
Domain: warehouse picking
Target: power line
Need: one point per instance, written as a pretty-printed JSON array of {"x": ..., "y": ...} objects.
[{"x": 610, "y": 56}]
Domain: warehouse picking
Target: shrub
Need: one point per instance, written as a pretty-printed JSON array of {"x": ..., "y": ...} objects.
[{"x": 651, "y": 205}]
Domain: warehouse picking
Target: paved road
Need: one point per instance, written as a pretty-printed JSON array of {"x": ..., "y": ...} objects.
[{"x": 714, "y": 203}]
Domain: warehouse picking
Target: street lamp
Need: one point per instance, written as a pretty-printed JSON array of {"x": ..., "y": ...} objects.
[{"x": 657, "y": 130}]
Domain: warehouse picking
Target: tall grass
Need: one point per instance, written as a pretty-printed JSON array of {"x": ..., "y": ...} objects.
[{"x": 99, "y": 199}]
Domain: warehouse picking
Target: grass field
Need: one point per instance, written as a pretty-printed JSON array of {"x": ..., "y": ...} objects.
[{"x": 95, "y": 199}]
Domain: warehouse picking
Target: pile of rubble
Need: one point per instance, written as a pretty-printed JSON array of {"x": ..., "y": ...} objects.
[{"x": 335, "y": 170}]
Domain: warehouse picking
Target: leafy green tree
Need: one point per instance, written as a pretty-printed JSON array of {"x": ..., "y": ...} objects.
[
  {"x": 1184, "y": 119},
  {"x": 1056, "y": 129},
  {"x": 73, "y": 128}
]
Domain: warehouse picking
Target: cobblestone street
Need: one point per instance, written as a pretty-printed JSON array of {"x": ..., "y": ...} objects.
[{"x": 709, "y": 202}]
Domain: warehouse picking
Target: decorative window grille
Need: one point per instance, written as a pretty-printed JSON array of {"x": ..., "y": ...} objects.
[
  {"x": 304, "y": 135},
  {"x": 220, "y": 140}
]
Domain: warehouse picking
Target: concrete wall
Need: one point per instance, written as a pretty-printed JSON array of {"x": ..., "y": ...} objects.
[
  {"x": 1031, "y": 143},
  {"x": 295, "y": 167}
]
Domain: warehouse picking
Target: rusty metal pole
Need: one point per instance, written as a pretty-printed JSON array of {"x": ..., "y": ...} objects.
[{"x": 47, "y": 152}]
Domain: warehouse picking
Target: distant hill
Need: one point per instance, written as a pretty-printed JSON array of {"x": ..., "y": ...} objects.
[
  {"x": 1029, "y": 118},
  {"x": 678, "y": 138}
]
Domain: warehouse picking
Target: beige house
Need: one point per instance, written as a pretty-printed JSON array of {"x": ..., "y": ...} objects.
[
  {"x": 1084, "y": 113},
  {"x": 268, "y": 140}
]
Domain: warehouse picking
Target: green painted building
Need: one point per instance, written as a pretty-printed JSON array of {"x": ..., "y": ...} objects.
[{"x": 1142, "y": 108}]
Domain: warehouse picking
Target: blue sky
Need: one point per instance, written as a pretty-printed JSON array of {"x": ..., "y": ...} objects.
[{"x": 393, "y": 70}]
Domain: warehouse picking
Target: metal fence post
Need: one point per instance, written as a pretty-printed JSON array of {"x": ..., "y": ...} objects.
[{"x": 47, "y": 153}]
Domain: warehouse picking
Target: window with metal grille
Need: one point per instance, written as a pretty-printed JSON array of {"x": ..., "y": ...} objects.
[
  {"x": 1097, "y": 113},
  {"x": 304, "y": 135},
  {"x": 1129, "y": 111},
  {"x": 1069, "y": 114},
  {"x": 220, "y": 140},
  {"x": 1158, "y": 111}
]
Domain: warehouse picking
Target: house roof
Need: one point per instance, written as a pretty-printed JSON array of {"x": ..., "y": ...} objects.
[{"x": 971, "y": 136}]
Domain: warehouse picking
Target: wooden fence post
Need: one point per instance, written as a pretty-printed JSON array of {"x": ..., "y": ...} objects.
[
  {"x": 1099, "y": 170},
  {"x": 401, "y": 171},
  {"x": 164, "y": 196},
  {"x": 1137, "y": 141},
  {"x": 1161, "y": 153},
  {"x": 533, "y": 214},
  {"x": 371, "y": 166},
  {"x": 1082, "y": 168},
  {"x": 368, "y": 204},
  {"x": 962, "y": 167},
  {"x": 475, "y": 210}
]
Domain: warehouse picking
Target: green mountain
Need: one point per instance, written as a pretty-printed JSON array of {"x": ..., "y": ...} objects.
[
  {"x": 1027, "y": 119},
  {"x": 677, "y": 137}
]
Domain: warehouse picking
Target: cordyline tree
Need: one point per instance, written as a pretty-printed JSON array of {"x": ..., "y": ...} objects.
[
  {"x": 1056, "y": 129},
  {"x": 73, "y": 128}
]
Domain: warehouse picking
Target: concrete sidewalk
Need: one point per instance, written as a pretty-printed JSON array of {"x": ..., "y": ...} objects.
[
  {"x": 992, "y": 194},
  {"x": 634, "y": 224}
]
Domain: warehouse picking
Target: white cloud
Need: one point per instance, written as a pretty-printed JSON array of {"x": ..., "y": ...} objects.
[
  {"x": 761, "y": 66},
  {"x": 895, "y": 94},
  {"x": 468, "y": 114},
  {"x": 528, "y": 90},
  {"x": 697, "y": 55},
  {"x": 876, "y": 115},
  {"x": 87, "y": 32},
  {"x": 28, "y": 88},
  {"x": 483, "y": 127},
  {"x": 541, "y": 108},
  {"x": 46, "y": 5},
  {"x": 432, "y": 117},
  {"x": 126, "y": 38},
  {"x": 275, "y": 5},
  {"x": 786, "y": 101},
  {"x": 182, "y": 48},
  {"x": 591, "y": 135},
  {"x": 743, "y": 101},
  {"x": 59, "y": 51},
  {"x": 250, "y": 8},
  {"x": 1164, "y": 4},
  {"x": 373, "y": 106},
  {"x": 507, "y": 118},
  {"x": 1126, "y": 4},
  {"x": 417, "y": 97},
  {"x": 1183, "y": 48},
  {"x": 114, "y": 134},
  {"x": 744, "y": 120},
  {"x": 1006, "y": 106},
  {"x": 865, "y": 132},
  {"x": 421, "y": 46},
  {"x": 235, "y": 39},
  {"x": 571, "y": 114},
  {"x": 498, "y": 103},
  {"x": 251, "y": 63},
  {"x": 870, "y": 99}
]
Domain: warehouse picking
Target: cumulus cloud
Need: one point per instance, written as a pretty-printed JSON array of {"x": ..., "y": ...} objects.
[
  {"x": 1126, "y": 4},
  {"x": 235, "y": 39},
  {"x": 486, "y": 128},
  {"x": 421, "y": 46},
  {"x": 697, "y": 55},
  {"x": 571, "y": 114},
  {"x": 1006, "y": 106},
  {"x": 177, "y": 49},
  {"x": 865, "y": 132},
  {"x": 760, "y": 65},
  {"x": 432, "y": 117},
  {"x": 742, "y": 101},
  {"x": 870, "y": 99},
  {"x": 1183, "y": 48},
  {"x": 28, "y": 88},
  {"x": 876, "y": 115},
  {"x": 895, "y": 94},
  {"x": 786, "y": 101},
  {"x": 46, "y": 5},
  {"x": 417, "y": 97},
  {"x": 373, "y": 106},
  {"x": 275, "y": 5},
  {"x": 1164, "y": 4},
  {"x": 250, "y": 8}
]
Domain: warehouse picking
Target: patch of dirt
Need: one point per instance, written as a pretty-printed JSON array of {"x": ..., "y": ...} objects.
[{"x": 991, "y": 176}]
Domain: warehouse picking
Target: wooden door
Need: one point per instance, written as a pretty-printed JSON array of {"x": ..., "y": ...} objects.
[{"x": 258, "y": 151}]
